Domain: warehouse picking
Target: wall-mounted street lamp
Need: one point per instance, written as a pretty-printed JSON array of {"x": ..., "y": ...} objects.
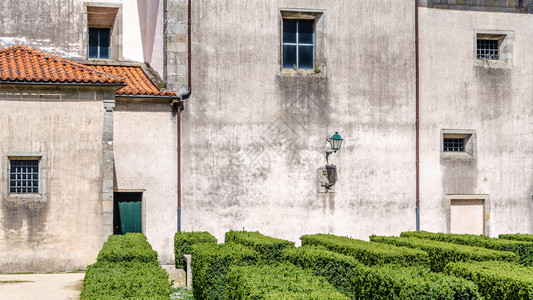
[{"x": 335, "y": 143}]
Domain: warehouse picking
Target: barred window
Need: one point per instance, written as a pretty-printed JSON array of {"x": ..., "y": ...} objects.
[
  {"x": 24, "y": 177},
  {"x": 454, "y": 145},
  {"x": 488, "y": 49}
]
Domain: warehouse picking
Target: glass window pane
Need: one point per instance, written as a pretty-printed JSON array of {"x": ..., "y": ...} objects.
[
  {"x": 306, "y": 30},
  {"x": 289, "y": 31},
  {"x": 104, "y": 52},
  {"x": 289, "y": 56},
  {"x": 104, "y": 43},
  {"x": 93, "y": 43},
  {"x": 305, "y": 57}
]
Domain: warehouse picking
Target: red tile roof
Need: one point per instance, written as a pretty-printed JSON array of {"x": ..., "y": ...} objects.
[
  {"x": 24, "y": 64},
  {"x": 137, "y": 82}
]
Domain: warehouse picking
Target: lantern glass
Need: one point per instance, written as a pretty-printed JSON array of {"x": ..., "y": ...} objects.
[{"x": 336, "y": 142}]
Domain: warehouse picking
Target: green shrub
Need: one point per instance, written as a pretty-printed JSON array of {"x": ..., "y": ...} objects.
[
  {"x": 441, "y": 253},
  {"x": 368, "y": 253},
  {"x": 524, "y": 250},
  {"x": 183, "y": 242},
  {"x": 127, "y": 248},
  {"x": 210, "y": 264},
  {"x": 496, "y": 280},
  {"x": 337, "y": 268},
  {"x": 358, "y": 281},
  {"x": 126, "y": 268},
  {"x": 517, "y": 237},
  {"x": 278, "y": 281},
  {"x": 269, "y": 248},
  {"x": 125, "y": 280}
]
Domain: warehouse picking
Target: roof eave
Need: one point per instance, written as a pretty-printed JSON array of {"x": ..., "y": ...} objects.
[
  {"x": 118, "y": 85},
  {"x": 148, "y": 96}
]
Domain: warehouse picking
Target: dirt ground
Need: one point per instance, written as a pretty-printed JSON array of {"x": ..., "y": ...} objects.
[{"x": 61, "y": 286}]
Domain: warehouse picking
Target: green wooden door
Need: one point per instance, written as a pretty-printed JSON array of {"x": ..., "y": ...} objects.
[
  {"x": 130, "y": 216},
  {"x": 127, "y": 214}
]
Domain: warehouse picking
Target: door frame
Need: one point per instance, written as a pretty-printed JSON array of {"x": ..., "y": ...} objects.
[
  {"x": 486, "y": 209},
  {"x": 143, "y": 206}
]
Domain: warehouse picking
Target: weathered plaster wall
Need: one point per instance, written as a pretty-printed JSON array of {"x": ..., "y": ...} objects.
[
  {"x": 53, "y": 26},
  {"x": 145, "y": 159},
  {"x": 63, "y": 233},
  {"x": 495, "y": 102},
  {"x": 253, "y": 139},
  {"x": 59, "y": 27}
]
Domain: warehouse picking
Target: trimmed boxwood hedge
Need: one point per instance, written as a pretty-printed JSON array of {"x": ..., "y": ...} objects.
[
  {"x": 524, "y": 250},
  {"x": 368, "y": 253},
  {"x": 211, "y": 262},
  {"x": 269, "y": 248},
  {"x": 442, "y": 253},
  {"x": 358, "y": 281},
  {"x": 125, "y": 280},
  {"x": 517, "y": 237},
  {"x": 277, "y": 281},
  {"x": 496, "y": 280},
  {"x": 183, "y": 242},
  {"x": 126, "y": 268},
  {"x": 127, "y": 248}
]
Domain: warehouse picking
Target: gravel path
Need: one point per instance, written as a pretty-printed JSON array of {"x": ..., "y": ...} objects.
[{"x": 60, "y": 286}]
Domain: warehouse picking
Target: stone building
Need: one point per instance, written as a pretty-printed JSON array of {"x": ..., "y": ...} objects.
[{"x": 434, "y": 102}]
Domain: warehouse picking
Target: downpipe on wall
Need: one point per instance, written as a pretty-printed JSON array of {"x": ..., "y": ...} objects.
[
  {"x": 179, "y": 108},
  {"x": 417, "y": 124}
]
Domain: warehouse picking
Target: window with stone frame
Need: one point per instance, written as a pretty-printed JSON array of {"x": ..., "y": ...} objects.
[
  {"x": 302, "y": 41},
  {"x": 103, "y": 31},
  {"x": 25, "y": 176},
  {"x": 458, "y": 144},
  {"x": 493, "y": 48}
]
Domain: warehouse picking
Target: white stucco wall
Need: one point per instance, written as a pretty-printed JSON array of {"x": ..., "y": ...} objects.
[
  {"x": 63, "y": 233},
  {"x": 145, "y": 159},
  {"x": 497, "y": 103},
  {"x": 253, "y": 139}
]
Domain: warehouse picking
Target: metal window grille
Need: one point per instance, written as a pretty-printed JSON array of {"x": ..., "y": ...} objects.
[
  {"x": 24, "y": 177},
  {"x": 454, "y": 145},
  {"x": 488, "y": 49}
]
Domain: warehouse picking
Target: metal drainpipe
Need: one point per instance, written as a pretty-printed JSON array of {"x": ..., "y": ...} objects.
[
  {"x": 179, "y": 109},
  {"x": 417, "y": 83}
]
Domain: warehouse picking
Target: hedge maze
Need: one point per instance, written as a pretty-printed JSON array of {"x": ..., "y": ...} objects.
[
  {"x": 416, "y": 265},
  {"x": 250, "y": 265}
]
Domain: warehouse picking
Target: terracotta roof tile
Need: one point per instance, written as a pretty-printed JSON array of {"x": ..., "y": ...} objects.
[
  {"x": 24, "y": 64},
  {"x": 137, "y": 82}
]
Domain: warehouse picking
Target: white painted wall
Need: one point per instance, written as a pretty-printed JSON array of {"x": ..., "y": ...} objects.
[
  {"x": 253, "y": 139},
  {"x": 64, "y": 233},
  {"x": 145, "y": 159},
  {"x": 496, "y": 103}
]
